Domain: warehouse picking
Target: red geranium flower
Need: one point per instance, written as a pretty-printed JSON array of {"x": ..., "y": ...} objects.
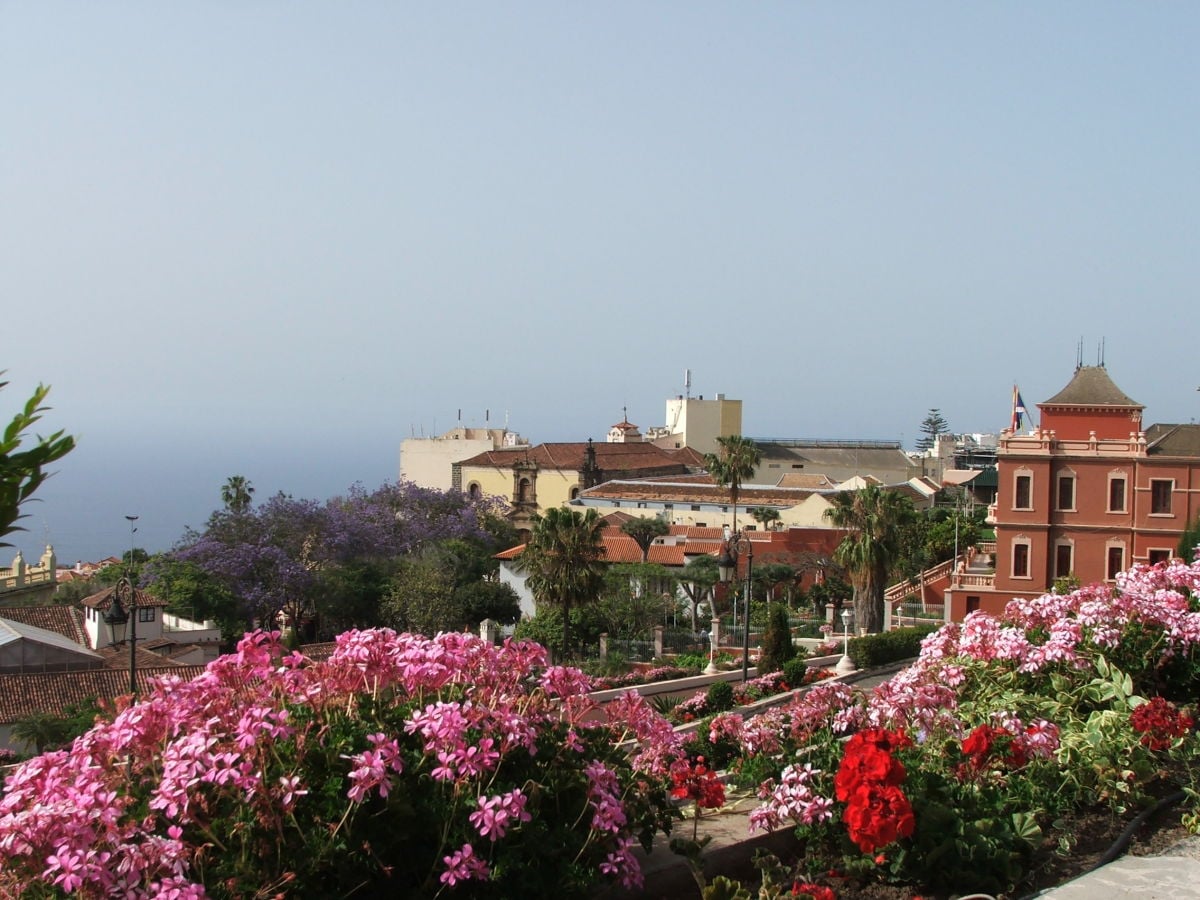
[{"x": 878, "y": 814}]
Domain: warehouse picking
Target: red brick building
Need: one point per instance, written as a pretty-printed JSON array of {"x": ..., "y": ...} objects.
[{"x": 1088, "y": 493}]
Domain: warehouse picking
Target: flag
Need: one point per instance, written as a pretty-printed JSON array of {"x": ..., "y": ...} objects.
[{"x": 1019, "y": 412}]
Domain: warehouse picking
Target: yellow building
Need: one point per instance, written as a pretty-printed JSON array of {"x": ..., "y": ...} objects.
[{"x": 533, "y": 479}]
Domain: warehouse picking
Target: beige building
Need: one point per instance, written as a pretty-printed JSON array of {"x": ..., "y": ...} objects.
[
  {"x": 697, "y": 423},
  {"x": 429, "y": 461},
  {"x": 698, "y": 502},
  {"x": 533, "y": 479}
]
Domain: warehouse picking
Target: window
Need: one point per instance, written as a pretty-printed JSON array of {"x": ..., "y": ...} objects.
[
  {"x": 1160, "y": 496},
  {"x": 1023, "y": 492},
  {"x": 474, "y": 491},
  {"x": 1116, "y": 562},
  {"x": 1066, "y": 492},
  {"x": 1020, "y": 559},
  {"x": 695, "y": 507},
  {"x": 145, "y": 613},
  {"x": 1063, "y": 558},
  {"x": 574, "y": 493},
  {"x": 1116, "y": 493},
  {"x": 1159, "y": 556},
  {"x": 523, "y": 490}
]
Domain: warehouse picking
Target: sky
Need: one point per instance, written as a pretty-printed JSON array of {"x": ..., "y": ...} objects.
[{"x": 274, "y": 239}]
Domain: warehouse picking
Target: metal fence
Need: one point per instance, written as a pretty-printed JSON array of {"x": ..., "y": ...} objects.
[{"x": 914, "y": 612}]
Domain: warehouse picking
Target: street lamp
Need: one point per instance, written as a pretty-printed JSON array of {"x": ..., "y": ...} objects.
[
  {"x": 735, "y": 541},
  {"x": 845, "y": 665},
  {"x": 121, "y": 617}
]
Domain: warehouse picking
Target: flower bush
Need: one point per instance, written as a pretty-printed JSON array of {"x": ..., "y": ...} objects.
[
  {"x": 402, "y": 764},
  {"x": 952, "y": 774}
]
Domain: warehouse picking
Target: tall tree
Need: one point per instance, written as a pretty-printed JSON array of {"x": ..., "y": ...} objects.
[
  {"x": 734, "y": 462},
  {"x": 1189, "y": 542},
  {"x": 932, "y": 425},
  {"x": 644, "y": 531},
  {"x": 237, "y": 493},
  {"x": 23, "y": 471},
  {"x": 875, "y": 519},
  {"x": 564, "y": 560},
  {"x": 282, "y": 555},
  {"x": 697, "y": 581}
]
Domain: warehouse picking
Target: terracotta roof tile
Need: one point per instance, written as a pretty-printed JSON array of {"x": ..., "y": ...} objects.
[
  {"x": 671, "y": 491},
  {"x": 25, "y": 695},
  {"x": 64, "y": 620},
  {"x": 570, "y": 457},
  {"x": 103, "y": 599}
]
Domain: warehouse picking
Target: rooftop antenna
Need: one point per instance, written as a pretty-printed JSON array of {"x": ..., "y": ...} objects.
[
  {"x": 1079, "y": 354},
  {"x": 687, "y": 383},
  {"x": 1100, "y": 353}
]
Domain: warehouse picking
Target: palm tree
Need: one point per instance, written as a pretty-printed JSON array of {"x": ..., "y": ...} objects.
[
  {"x": 875, "y": 519},
  {"x": 764, "y": 516},
  {"x": 564, "y": 560},
  {"x": 236, "y": 493},
  {"x": 734, "y": 462}
]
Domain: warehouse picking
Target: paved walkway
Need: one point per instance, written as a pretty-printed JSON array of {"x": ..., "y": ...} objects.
[{"x": 1173, "y": 875}]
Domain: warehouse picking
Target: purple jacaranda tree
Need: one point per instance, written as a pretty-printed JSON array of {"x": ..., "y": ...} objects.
[{"x": 275, "y": 557}]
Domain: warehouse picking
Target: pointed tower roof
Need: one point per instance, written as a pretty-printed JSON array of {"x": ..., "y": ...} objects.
[
  {"x": 1091, "y": 406},
  {"x": 1091, "y": 386}
]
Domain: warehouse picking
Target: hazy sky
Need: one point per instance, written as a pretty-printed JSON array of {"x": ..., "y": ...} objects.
[{"x": 276, "y": 238}]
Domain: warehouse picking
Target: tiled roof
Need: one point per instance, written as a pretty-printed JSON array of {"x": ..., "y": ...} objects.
[
  {"x": 1163, "y": 440},
  {"x": 12, "y": 632},
  {"x": 116, "y": 656},
  {"x": 698, "y": 532},
  {"x": 25, "y": 695},
  {"x": 1091, "y": 386},
  {"x": 570, "y": 457},
  {"x": 800, "y": 480},
  {"x": 319, "y": 652},
  {"x": 621, "y": 548},
  {"x": 672, "y": 491},
  {"x": 64, "y": 620},
  {"x": 103, "y": 600}
]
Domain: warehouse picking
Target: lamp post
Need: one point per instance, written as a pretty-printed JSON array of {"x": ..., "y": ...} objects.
[
  {"x": 121, "y": 617},
  {"x": 845, "y": 665},
  {"x": 735, "y": 542}
]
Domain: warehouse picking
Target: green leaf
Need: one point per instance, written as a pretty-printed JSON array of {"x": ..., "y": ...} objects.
[
  {"x": 1026, "y": 828},
  {"x": 723, "y": 888}
]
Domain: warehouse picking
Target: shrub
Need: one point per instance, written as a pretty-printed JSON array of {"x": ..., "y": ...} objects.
[
  {"x": 719, "y": 697},
  {"x": 887, "y": 647},
  {"x": 794, "y": 672},
  {"x": 400, "y": 766},
  {"x": 777, "y": 647},
  {"x": 1002, "y": 727}
]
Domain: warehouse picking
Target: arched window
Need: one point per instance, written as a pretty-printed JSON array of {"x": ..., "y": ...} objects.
[
  {"x": 523, "y": 490},
  {"x": 474, "y": 491}
]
